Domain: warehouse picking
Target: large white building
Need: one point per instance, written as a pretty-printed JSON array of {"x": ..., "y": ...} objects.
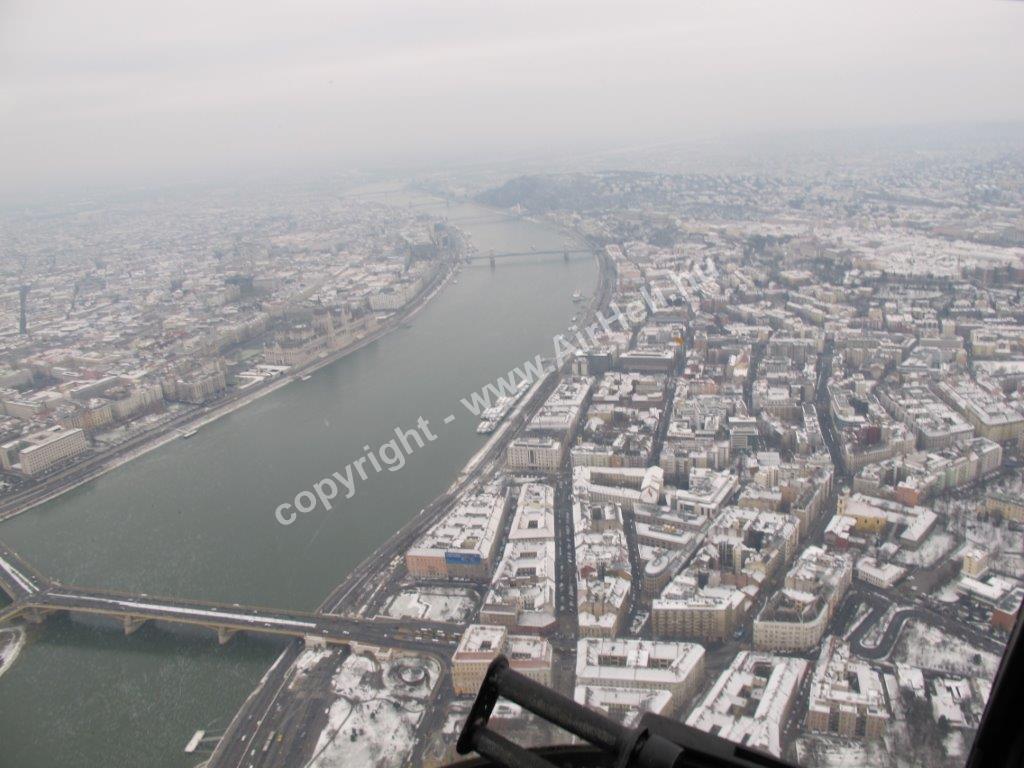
[
  {"x": 934, "y": 422},
  {"x": 603, "y": 575},
  {"x": 195, "y": 386},
  {"x": 989, "y": 414},
  {"x": 708, "y": 492},
  {"x": 523, "y": 589},
  {"x": 396, "y": 295},
  {"x": 626, "y": 705},
  {"x": 795, "y": 617},
  {"x": 535, "y": 453},
  {"x": 751, "y": 700},
  {"x": 645, "y": 665},
  {"x": 628, "y": 487},
  {"x": 482, "y": 643},
  {"x": 709, "y": 600},
  {"x": 560, "y": 414},
  {"x": 39, "y": 451},
  {"x": 463, "y": 543},
  {"x": 847, "y": 696},
  {"x": 688, "y": 609}
]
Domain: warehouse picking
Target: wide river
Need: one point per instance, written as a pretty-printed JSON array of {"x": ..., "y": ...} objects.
[{"x": 195, "y": 518}]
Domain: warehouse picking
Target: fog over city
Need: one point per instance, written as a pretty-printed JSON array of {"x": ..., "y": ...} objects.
[{"x": 107, "y": 93}]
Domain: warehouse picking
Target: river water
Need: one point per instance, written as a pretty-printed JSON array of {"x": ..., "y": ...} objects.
[{"x": 194, "y": 518}]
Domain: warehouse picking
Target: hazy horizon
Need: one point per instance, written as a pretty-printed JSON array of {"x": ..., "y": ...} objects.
[{"x": 110, "y": 93}]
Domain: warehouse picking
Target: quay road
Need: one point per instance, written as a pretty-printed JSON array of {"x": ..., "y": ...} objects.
[
  {"x": 94, "y": 464},
  {"x": 252, "y": 723},
  {"x": 17, "y": 578}
]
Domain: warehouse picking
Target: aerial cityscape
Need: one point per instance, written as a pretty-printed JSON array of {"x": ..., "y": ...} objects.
[
  {"x": 764, "y": 479},
  {"x": 382, "y": 382}
]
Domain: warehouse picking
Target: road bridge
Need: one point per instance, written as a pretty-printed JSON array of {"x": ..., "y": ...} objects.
[
  {"x": 492, "y": 256},
  {"x": 227, "y": 619},
  {"x": 34, "y": 597}
]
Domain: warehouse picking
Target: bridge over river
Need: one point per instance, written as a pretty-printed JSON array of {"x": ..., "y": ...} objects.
[
  {"x": 34, "y": 597},
  {"x": 493, "y": 256}
]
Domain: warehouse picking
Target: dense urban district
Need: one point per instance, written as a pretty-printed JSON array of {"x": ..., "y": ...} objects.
[
  {"x": 767, "y": 483},
  {"x": 120, "y": 323}
]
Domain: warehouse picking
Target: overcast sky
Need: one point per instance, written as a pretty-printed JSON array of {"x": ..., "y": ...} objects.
[{"x": 139, "y": 92}]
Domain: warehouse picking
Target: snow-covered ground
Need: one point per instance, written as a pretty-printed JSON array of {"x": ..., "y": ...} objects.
[
  {"x": 309, "y": 658},
  {"x": 11, "y": 643},
  {"x": 877, "y": 630},
  {"x": 948, "y": 592},
  {"x": 380, "y": 701},
  {"x": 955, "y": 744},
  {"x": 1006, "y": 546},
  {"x": 433, "y": 604},
  {"x": 896, "y": 749},
  {"x": 934, "y": 547},
  {"x": 819, "y": 751},
  {"x": 928, "y": 647}
]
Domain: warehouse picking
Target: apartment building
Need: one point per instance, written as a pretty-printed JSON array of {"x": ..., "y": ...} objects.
[
  {"x": 795, "y": 617},
  {"x": 37, "y": 452},
  {"x": 847, "y": 696},
  {"x": 465, "y": 542},
  {"x": 677, "y": 668},
  {"x": 480, "y": 644}
]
